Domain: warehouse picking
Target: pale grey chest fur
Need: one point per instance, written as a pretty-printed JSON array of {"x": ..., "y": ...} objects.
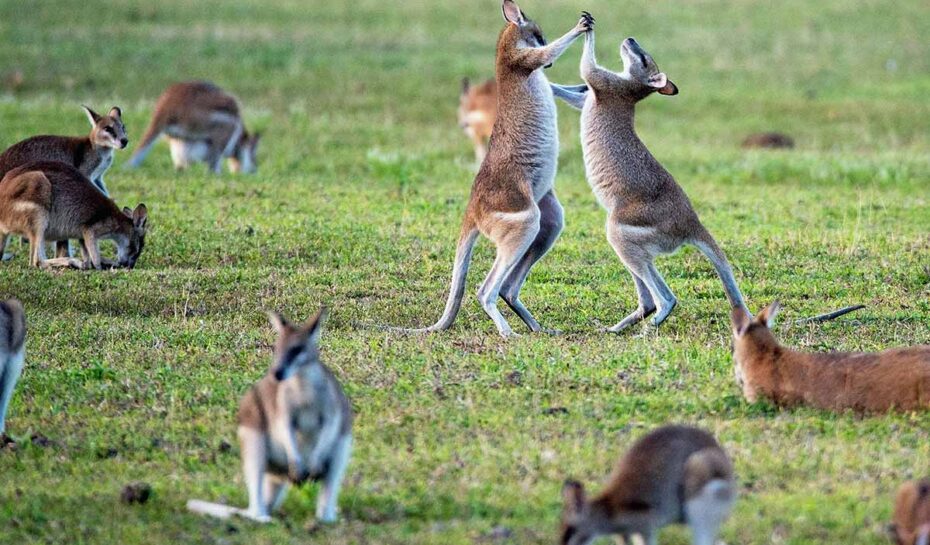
[
  {"x": 95, "y": 167},
  {"x": 599, "y": 162},
  {"x": 536, "y": 134}
]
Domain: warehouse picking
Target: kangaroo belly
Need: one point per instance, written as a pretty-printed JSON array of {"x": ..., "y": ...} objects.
[
  {"x": 184, "y": 152},
  {"x": 533, "y": 134}
]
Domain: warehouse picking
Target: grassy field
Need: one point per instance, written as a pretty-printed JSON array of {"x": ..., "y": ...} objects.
[{"x": 463, "y": 437}]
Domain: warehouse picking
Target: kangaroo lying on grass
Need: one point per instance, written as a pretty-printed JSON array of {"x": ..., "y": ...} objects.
[
  {"x": 50, "y": 200},
  {"x": 894, "y": 379},
  {"x": 648, "y": 213},
  {"x": 295, "y": 424},
  {"x": 911, "y": 524},
  {"x": 512, "y": 200},
  {"x": 674, "y": 474},
  {"x": 12, "y": 355}
]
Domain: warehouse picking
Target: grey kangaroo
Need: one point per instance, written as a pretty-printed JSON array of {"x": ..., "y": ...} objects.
[
  {"x": 512, "y": 199},
  {"x": 648, "y": 214}
]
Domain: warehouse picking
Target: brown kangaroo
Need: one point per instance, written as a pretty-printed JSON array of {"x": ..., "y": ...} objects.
[
  {"x": 911, "y": 524},
  {"x": 512, "y": 200},
  {"x": 54, "y": 201},
  {"x": 477, "y": 113},
  {"x": 898, "y": 378}
]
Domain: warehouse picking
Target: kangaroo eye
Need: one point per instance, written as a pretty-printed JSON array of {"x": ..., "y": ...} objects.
[{"x": 110, "y": 131}]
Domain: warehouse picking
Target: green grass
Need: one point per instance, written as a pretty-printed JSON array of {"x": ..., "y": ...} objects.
[{"x": 363, "y": 179}]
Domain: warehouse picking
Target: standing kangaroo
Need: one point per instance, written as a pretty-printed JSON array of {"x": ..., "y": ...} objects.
[
  {"x": 12, "y": 355},
  {"x": 675, "y": 474},
  {"x": 203, "y": 123},
  {"x": 53, "y": 201},
  {"x": 911, "y": 524},
  {"x": 872, "y": 382},
  {"x": 477, "y": 113},
  {"x": 512, "y": 199},
  {"x": 295, "y": 424},
  {"x": 648, "y": 213}
]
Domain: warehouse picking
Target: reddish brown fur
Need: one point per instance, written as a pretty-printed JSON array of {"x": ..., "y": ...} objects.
[
  {"x": 898, "y": 378},
  {"x": 911, "y": 512},
  {"x": 477, "y": 113},
  {"x": 770, "y": 140},
  {"x": 48, "y": 201}
]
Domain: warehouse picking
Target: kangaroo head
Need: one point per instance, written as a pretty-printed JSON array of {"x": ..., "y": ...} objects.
[
  {"x": 580, "y": 523},
  {"x": 752, "y": 337},
  {"x": 107, "y": 131},
  {"x": 641, "y": 74},
  {"x": 911, "y": 524},
  {"x": 297, "y": 345},
  {"x": 130, "y": 247},
  {"x": 528, "y": 32},
  {"x": 243, "y": 157}
]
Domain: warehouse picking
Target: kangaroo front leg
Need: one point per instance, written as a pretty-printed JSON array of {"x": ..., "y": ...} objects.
[
  {"x": 254, "y": 454},
  {"x": 297, "y": 470},
  {"x": 539, "y": 57},
  {"x": 550, "y": 226},
  {"x": 572, "y": 97},
  {"x": 93, "y": 250},
  {"x": 596, "y": 77}
]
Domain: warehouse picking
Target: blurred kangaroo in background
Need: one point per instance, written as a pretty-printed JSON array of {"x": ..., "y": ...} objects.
[
  {"x": 675, "y": 474},
  {"x": 477, "y": 113},
  {"x": 911, "y": 524},
  {"x": 92, "y": 155},
  {"x": 648, "y": 213},
  {"x": 295, "y": 424},
  {"x": 875, "y": 382},
  {"x": 12, "y": 355},
  {"x": 203, "y": 124},
  {"x": 512, "y": 200},
  {"x": 50, "y": 200}
]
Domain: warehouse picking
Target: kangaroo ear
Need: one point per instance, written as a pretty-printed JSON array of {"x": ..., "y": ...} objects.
[
  {"x": 92, "y": 116},
  {"x": 127, "y": 211},
  {"x": 573, "y": 497},
  {"x": 740, "y": 320},
  {"x": 767, "y": 316},
  {"x": 466, "y": 85},
  {"x": 512, "y": 13},
  {"x": 278, "y": 321},
  {"x": 315, "y": 325},
  {"x": 116, "y": 112},
  {"x": 669, "y": 89},
  {"x": 140, "y": 216}
]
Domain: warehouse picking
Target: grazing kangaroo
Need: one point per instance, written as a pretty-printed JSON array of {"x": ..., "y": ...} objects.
[
  {"x": 12, "y": 355},
  {"x": 49, "y": 200},
  {"x": 295, "y": 424},
  {"x": 92, "y": 154},
  {"x": 477, "y": 112},
  {"x": 648, "y": 214},
  {"x": 874, "y": 382},
  {"x": 911, "y": 524},
  {"x": 675, "y": 474},
  {"x": 512, "y": 199},
  {"x": 203, "y": 124}
]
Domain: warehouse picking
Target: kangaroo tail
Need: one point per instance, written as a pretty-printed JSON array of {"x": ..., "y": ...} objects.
[
  {"x": 708, "y": 246},
  {"x": 217, "y": 510},
  {"x": 459, "y": 272},
  {"x": 152, "y": 133}
]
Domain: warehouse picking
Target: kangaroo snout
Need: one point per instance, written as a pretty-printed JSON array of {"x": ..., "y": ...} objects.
[{"x": 123, "y": 143}]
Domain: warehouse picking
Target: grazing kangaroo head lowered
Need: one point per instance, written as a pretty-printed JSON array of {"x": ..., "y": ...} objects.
[
  {"x": 897, "y": 378},
  {"x": 911, "y": 524},
  {"x": 107, "y": 131},
  {"x": 674, "y": 474}
]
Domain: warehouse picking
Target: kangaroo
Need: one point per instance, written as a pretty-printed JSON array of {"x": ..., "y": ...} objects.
[
  {"x": 477, "y": 112},
  {"x": 295, "y": 424},
  {"x": 203, "y": 124},
  {"x": 648, "y": 214},
  {"x": 911, "y": 524},
  {"x": 49, "y": 200},
  {"x": 512, "y": 199},
  {"x": 12, "y": 355},
  {"x": 675, "y": 474},
  {"x": 870, "y": 382},
  {"x": 92, "y": 155}
]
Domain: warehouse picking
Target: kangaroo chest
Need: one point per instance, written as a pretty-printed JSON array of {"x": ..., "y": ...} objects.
[
  {"x": 96, "y": 164},
  {"x": 534, "y": 134}
]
